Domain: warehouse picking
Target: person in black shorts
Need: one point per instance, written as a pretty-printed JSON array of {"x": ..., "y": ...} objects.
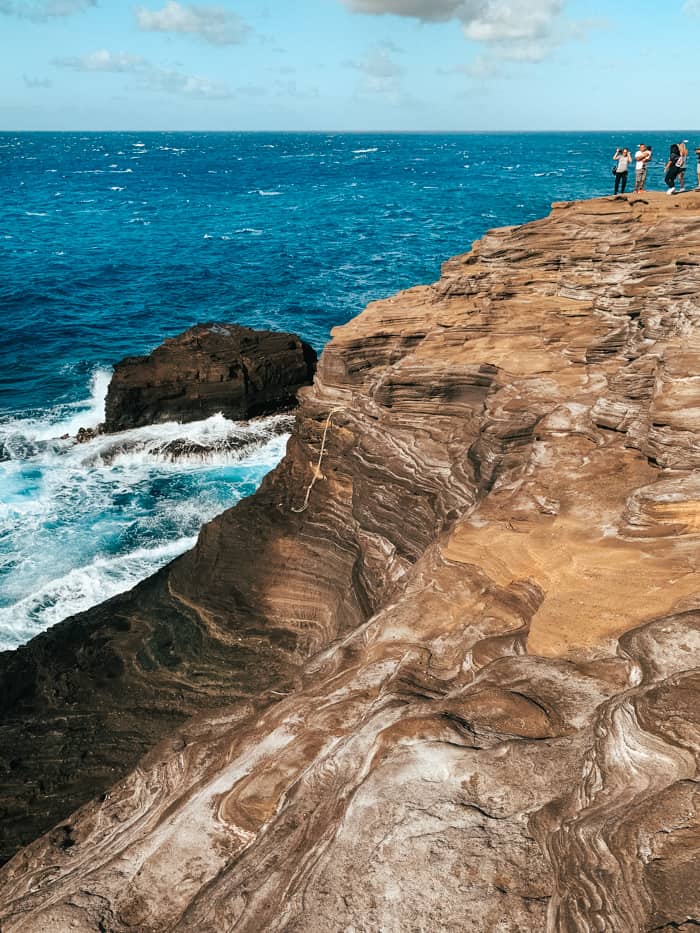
[{"x": 672, "y": 169}]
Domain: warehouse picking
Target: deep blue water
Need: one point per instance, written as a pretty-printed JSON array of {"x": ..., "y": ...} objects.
[{"x": 111, "y": 242}]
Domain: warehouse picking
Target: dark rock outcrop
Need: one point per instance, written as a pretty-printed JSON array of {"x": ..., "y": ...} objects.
[
  {"x": 460, "y": 691},
  {"x": 210, "y": 368}
]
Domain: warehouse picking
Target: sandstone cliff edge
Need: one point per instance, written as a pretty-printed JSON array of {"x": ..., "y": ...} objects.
[{"x": 461, "y": 691}]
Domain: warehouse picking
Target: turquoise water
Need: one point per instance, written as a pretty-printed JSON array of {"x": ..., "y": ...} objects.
[{"x": 111, "y": 242}]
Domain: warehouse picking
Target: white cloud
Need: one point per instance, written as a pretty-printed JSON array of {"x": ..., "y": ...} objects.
[
  {"x": 175, "y": 82},
  {"x": 510, "y": 30},
  {"x": 37, "y": 82},
  {"x": 151, "y": 77},
  {"x": 381, "y": 74},
  {"x": 517, "y": 20},
  {"x": 426, "y": 10},
  {"x": 103, "y": 60},
  {"x": 211, "y": 24},
  {"x": 41, "y": 10},
  {"x": 377, "y": 63}
]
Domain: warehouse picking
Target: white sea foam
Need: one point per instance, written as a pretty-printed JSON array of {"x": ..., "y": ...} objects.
[
  {"x": 82, "y": 588},
  {"x": 269, "y": 194},
  {"x": 54, "y": 425},
  {"x": 363, "y": 151},
  {"x": 82, "y": 522}
]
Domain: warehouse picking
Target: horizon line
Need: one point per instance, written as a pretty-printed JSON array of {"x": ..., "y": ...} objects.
[{"x": 354, "y": 132}]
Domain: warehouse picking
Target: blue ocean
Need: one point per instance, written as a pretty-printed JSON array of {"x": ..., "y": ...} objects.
[{"x": 110, "y": 243}]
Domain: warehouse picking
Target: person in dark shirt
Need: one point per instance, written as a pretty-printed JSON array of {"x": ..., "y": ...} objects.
[
  {"x": 672, "y": 169},
  {"x": 697, "y": 153}
]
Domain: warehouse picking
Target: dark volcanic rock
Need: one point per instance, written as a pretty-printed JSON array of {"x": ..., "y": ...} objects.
[{"x": 210, "y": 368}]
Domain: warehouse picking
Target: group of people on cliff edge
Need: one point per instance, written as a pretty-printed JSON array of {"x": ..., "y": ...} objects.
[{"x": 674, "y": 170}]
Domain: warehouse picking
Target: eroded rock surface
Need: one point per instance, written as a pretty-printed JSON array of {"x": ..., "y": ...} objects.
[
  {"x": 461, "y": 691},
  {"x": 210, "y": 368}
]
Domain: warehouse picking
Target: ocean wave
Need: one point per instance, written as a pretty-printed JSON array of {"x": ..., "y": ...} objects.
[
  {"x": 83, "y": 587},
  {"x": 215, "y": 441},
  {"x": 81, "y": 522},
  {"x": 60, "y": 421}
]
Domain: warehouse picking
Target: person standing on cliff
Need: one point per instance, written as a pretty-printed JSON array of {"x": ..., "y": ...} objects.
[
  {"x": 672, "y": 168},
  {"x": 642, "y": 157},
  {"x": 623, "y": 158},
  {"x": 697, "y": 153},
  {"x": 682, "y": 164}
]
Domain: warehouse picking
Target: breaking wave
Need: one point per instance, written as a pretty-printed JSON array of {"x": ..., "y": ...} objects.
[{"x": 80, "y": 523}]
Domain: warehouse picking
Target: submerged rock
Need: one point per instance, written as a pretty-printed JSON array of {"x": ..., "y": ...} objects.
[
  {"x": 461, "y": 691},
  {"x": 85, "y": 435},
  {"x": 210, "y": 368}
]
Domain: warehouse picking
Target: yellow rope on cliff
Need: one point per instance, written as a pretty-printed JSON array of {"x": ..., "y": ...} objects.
[{"x": 317, "y": 471}]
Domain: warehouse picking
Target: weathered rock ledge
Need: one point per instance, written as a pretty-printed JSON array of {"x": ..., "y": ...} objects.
[
  {"x": 462, "y": 689},
  {"x": 210, "y": 368}
]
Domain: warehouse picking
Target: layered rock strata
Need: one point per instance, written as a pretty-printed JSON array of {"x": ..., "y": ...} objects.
[
  {"x": 210, "y": 368},
  {"x": 462, "y": 689}
]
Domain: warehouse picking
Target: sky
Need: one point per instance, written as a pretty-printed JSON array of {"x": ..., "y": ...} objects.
[{"x": 365, "y": 65}]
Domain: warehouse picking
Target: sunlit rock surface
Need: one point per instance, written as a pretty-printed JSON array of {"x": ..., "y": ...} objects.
[{"x": 461, "y": 691}]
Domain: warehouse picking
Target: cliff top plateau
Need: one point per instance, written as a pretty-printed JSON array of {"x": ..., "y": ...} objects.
[{"x": 460, "y": 690}]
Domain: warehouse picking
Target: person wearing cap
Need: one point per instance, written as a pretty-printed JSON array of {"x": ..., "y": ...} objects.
[{"x": 641, "y": 161}]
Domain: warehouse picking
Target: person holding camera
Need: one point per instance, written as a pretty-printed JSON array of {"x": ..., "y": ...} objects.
[
  {"x": 642, "y": 158},
  {"x": 623, "y": 157}
]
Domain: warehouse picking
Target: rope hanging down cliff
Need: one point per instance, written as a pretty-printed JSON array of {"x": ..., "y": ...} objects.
[{"x": 317, "y": 471}]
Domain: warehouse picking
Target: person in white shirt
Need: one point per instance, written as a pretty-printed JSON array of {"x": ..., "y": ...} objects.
[
  {"x": 641, "y": 162},
  {"x": 623, "y": 157}
]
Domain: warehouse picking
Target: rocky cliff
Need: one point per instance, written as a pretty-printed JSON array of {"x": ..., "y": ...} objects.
[
  {"x": 461, "y": 690},
  {"x": 215, "y": 367}
]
